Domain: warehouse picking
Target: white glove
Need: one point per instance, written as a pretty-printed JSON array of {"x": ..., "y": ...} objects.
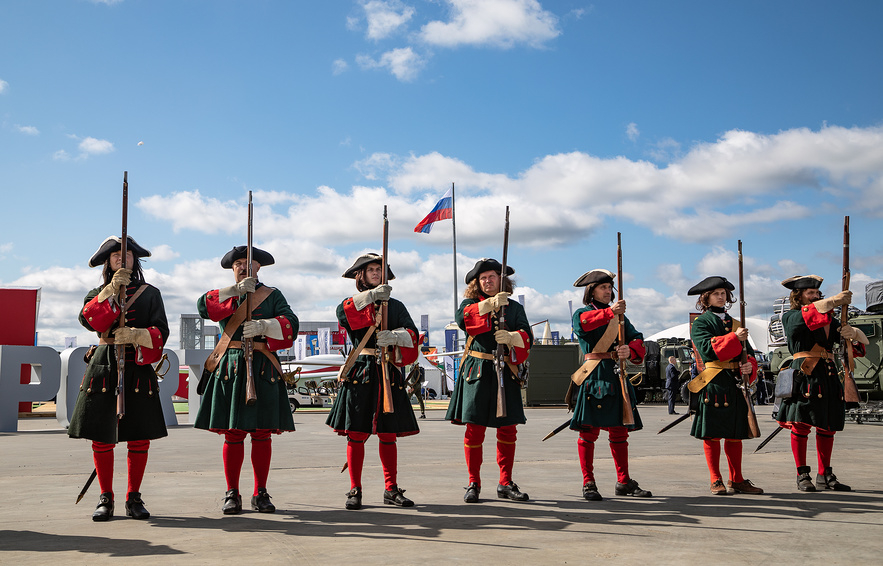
[
  {"x": 386, "y": 338},
  {"x": 137, "y": 336},
  {"x": 269, "y": 327},
  {"x": 509, "y": 338},
  {"x": 493, "y": 304},
  {"x": 247, "y": 285},
  {"x": 399, "y": 337},
  {"x": 365, "y": 298},
  {"x": 854, "y": 334},
  {"x": 121, "y": 278},
  {"x": 838, "y": 300}
]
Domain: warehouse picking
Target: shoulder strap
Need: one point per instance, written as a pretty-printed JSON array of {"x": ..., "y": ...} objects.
[
  {"x": 351, "y": 358},
  {"x": 601, "y": 346},
  {"x": 230, "y": 328}
]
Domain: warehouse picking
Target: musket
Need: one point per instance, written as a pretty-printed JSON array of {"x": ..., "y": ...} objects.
[
  {"x": 767, "y": 439},
  {"x": 120, "y": 349},
  {"x": 753, "y": 428},
  {"x": 850, "y": 390},
  {"x": 251, "y": 395},
  {"x": 384, "y": 319},
  {"x": 677, "y": 421},
  {"x": 561, "y": 427},
  {"x": 500, "y": 353},
  {"x": 628, "y": 418}
]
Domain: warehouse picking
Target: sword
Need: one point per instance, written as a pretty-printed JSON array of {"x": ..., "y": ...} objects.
[
  {"x": 767, "y": 439},
  {"x": 557, "y": 430},
  {"x": 675, "y": 422},
  {"x": 88, "y": 483}
]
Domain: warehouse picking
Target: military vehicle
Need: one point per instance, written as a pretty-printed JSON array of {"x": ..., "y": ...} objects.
[{"x": 648, "y": 378}]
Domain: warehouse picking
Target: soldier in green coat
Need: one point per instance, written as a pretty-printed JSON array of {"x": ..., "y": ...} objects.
[
  {"x": 474, "y": 400},
  {"x": 817, "y": 401},
  {"x": 359, "y": 409},
  {"x": 143, "y": 337},
  {"x": 722, "y": 412},
  {"x": 599, "y": 400},
  {"x": 224, "y": 409}
]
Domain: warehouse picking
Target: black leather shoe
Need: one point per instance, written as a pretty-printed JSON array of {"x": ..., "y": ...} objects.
[
  {"x": 511, "y": 492},
  {"x": 472, "y": 491},
  {"x": 829, "y": 481},
  {"x": 422, "y": 416},
  {"x": 395, "y": 496},
  {"x": 590, "y": 492},
  {"x": 232, "y": 503},
  {"x": 804, "y": 481},
  {"x": 354, "y": 498},
  {"x": 261, "y": 502},
  {"x": 104, "y": 511},
  {"x": 135, "y": 507},
  {"x": 631, "y": 488}
]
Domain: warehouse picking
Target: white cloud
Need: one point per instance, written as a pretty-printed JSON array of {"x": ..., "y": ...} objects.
[
  {"x": 29, "y": 130},
  {"x": 632, "y": 132},
  {"x": 181, "y": 208},
  {"x": 499, "y": 23},
  {"x": 61, "y": 155},
  {"x": 4, "y": 86},
  {"x": 163, "y": 252},
  {"x": 385, "y": 17},
  {"x": 93, "y": 146},
  {"x": 339, "y": 66},
  {"x": 404, "y": 63},
  {"x": 107, "y": 2}
]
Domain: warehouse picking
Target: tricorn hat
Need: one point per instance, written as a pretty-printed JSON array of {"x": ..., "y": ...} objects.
[
  {"x": 595, "y": 276},
  {"x": 487, "y": 264},
  {"x": 710, "y": 284},
  {"x": 241, "y": 252},
  {"x": 803, "y": 282},
  {"x": 115, "y": 244},
  {"x": 364, "y": 260}
]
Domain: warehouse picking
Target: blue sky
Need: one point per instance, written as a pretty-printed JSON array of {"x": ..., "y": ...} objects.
[{"x": 684, "y": 125}]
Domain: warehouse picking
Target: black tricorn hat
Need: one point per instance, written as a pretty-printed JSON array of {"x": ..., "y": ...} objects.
[
  {"x": 115, "y": 244},
  {"x": 241, "y": 252},
  {"x": 710, "y": 284},
  {"x": 594, "y": 276},
  {"x": 364, "y": 260},
  {"x": 487, "y": 264},
  {"x": 803, "y": 282}
]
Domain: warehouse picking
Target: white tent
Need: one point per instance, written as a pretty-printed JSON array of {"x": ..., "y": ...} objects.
[{"x": 758, "y": 335}]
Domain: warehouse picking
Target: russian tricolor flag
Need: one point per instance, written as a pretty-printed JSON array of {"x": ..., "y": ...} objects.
[{"x": 443, "y": 209}]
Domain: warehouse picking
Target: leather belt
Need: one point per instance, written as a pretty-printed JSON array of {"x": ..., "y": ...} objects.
[
  {"x": 600, "y": 356},
  {"x": 811, "y": 358},
  {"x": 723, "y": 365},
  {"x": 481, "y": 355}
]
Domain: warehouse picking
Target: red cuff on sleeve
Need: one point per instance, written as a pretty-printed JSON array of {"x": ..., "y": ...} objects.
[
  {"x": 287, "y": 336},
  {"x": 753, "y": 377},
  {"x": 100, "y": 315},
  {"x": 726, "y": 347},
  {"x": 217, "y": 310},
  {"x": 519, "y": 355},
  {"x": 476, "y": 323},
  {"x": 358, "y": 318},
  {"x": 636, "y": 347},
  {"x": 590, "y": 320},
  {"x": 813, "y": 318},
  {"x": 144, "y": 356},
  {"x": 405, "y": 356},
  {"x": 858, "y": 350}
]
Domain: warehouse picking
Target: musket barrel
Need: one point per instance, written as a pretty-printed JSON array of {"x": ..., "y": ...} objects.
[
  {"x": 251, "y": 395},
  {"x": 120, "y": 349}
]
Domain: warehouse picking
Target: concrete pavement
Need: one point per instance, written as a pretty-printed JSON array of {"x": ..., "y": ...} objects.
[{"x": 42, "y": 470}]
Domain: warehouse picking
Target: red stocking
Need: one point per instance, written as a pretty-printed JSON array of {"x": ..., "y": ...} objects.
[
  {"x": 506, "y": 452},
  {"x": 799, "y": 432},
  {"x": 585, "y": 447},
  {"x": 388, "y": 458},
  {"x": 136, "y": 460},
  {"x": 472, "y": 447},
  {"x": 233, "y": 454},
  {"x": 824, "y": 448},
  {"x": 619, "y": 449},
  {"x": 712, "y": 449},
  {"x": 261, "y": 453},
  {"x": 355, "y": 456},
  {"x": 733, "y": 449},
  {"x": 102, "y": 455}
]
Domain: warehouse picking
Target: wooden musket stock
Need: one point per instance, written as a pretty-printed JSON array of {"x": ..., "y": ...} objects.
[
  {"x": 251, "y": 395},
  {"x": 500, "y": 353},
  {"x": 628, "y": 417},
  {"x": 384, "y": 320},
  {"x": 120, "y": 349},
  {"x": 753, "y": 428}
]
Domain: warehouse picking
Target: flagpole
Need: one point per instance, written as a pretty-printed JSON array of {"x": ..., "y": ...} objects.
[{"x": 454, "y": 231}]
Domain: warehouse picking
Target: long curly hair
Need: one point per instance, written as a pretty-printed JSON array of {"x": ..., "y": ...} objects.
[
  {"x": 473, "y": 290},
  {"x": 796, "y": 297},
  {"x": 589, "y": 293},
  {"x": 702, "y": 301}
]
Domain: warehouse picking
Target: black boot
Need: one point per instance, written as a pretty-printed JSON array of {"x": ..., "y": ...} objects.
[
  {"x": 135, "y": 507},
  {"x": 472, "y": 491},
  {"x": 631, "y": 488},
  {"x": 395, "y": 496},
  {"x": 590, "y": 492},
  {"x": 104, "y": 511},
  {"x": 804, "y": 482},
  {"x": 261, "y": 502},
  {"x": 510, "y": 492},
  {"x": 829, "y": 481},
  {"x": 232, "y": 503},
  {"x": 354, "y": 498}
]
